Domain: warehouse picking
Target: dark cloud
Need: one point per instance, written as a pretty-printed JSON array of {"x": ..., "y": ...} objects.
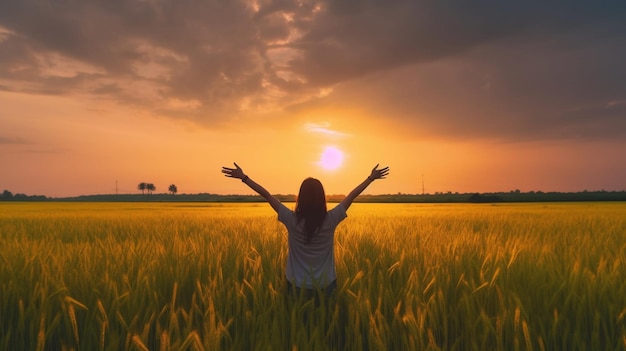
[
  {"x": 485, "y": 68},
  {"x": 354, "y": 38}
]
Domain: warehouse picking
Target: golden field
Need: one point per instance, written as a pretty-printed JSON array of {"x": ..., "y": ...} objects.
[{"x": 210, "y": 276}]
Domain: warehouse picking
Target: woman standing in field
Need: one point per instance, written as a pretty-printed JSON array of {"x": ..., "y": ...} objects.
[{"x": 310, "y": 230}]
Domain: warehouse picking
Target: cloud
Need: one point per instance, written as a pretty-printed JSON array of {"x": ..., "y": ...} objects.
[
  {"x": 324, "y": 130},
  {"x": 482, "y": 69}
]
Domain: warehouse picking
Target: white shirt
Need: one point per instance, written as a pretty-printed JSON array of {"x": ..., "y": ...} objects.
[{"x": 313, "y": 264}]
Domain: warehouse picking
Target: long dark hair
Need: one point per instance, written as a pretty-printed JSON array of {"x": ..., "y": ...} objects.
[{"x": 311, "y": 206}]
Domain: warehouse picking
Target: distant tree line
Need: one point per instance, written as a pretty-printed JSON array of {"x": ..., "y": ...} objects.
[
  {"x": 449, "y": 197},
  {"x": 9, "y": 196},
  {"x": 511, "y": 196},
  {"x": 478, "y": 198}
]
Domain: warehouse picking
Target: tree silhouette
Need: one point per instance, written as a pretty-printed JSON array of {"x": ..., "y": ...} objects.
[
  {"x": 150, "y": 187},
  {"x": 172, "y": 189},
  {"x": 142, "y": 186}
]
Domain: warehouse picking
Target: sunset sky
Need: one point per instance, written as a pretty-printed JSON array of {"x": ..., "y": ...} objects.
[{"x": 478, "y": 96}]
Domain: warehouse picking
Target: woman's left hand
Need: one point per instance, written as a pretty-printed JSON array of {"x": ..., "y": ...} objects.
[{"x": 378, "y": 173}]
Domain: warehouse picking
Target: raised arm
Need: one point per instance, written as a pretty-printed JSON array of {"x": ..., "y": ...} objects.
[
  {"x": 376, "y": 174},
  {"x": 237, "y": 172}
]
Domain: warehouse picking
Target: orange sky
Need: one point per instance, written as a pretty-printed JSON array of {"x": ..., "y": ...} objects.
[{"x": 161, "y": 98}]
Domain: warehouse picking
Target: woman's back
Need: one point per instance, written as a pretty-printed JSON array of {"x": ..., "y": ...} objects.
[{"x": 311, "y": 262}]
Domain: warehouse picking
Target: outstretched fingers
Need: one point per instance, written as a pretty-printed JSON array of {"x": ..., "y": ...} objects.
[
  {"x": 383, "y": 172},
  {"x": 380, "y": 173}
]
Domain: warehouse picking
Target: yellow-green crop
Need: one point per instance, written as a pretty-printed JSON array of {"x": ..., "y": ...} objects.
[{"x": 197, "y": 276}]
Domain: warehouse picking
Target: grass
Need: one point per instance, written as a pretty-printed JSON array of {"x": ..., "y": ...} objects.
[{"x": 202, "y": 276}]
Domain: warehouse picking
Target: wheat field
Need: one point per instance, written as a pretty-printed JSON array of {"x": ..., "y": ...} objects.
[{"x": 210, "y": 276}]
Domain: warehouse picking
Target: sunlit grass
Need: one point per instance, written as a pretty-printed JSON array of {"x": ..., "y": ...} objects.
[{"x": 170, "y": 276}]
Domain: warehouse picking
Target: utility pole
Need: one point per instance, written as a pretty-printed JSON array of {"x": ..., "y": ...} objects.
[
  {"x": 423, "y": 192},
  {"x": 116, "y": 187}
]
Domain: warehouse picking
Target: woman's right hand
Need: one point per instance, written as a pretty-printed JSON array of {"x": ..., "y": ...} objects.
[{"x": 236, "y": 172}]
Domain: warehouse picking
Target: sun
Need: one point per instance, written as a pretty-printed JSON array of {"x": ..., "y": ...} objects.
[{"x": 331, "y": 158}]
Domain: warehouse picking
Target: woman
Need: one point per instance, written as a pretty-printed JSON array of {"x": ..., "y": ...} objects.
[{"x": 310, "y": 229}]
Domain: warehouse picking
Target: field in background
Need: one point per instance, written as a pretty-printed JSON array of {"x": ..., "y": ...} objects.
[{"x": 177, "y": 276}]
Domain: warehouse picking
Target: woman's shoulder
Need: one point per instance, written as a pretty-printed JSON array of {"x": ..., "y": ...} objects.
[
  {"x": 338, "y": 213},
  {"x": 285, "y": 213},
  {"x": 338, "y": 208}
]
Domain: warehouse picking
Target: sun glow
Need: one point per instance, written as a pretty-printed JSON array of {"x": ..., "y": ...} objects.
[{"x": 331, "y": 158}]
